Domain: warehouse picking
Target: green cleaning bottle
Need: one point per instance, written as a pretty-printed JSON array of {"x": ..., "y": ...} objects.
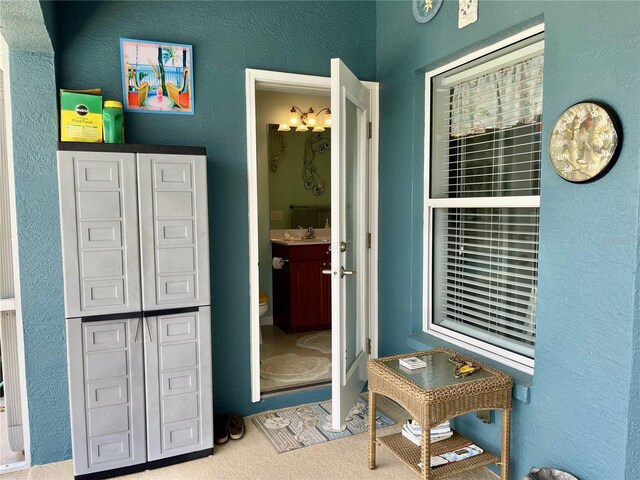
[{"x": 113, "y": 122}]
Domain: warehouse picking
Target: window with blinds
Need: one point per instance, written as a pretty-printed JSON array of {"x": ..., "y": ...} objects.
[{"x": 483, "y": 200}]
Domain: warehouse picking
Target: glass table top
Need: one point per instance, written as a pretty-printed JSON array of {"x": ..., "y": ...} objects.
[{"x": 438, "y": 372}]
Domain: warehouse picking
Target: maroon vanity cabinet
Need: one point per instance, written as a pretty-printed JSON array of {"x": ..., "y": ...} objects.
[{"x": 301, "y": 292}]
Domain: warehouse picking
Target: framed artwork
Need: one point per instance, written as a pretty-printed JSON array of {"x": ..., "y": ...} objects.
[
  {"x": 467, "y": 12},
  {"x": 157, "y": 77}
]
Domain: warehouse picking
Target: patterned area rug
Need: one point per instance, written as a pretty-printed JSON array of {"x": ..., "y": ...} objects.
[
  {"x": 292, "y": 368},
  {"x": 299, "y": 427},
  {"x": 318, "y": 341}
]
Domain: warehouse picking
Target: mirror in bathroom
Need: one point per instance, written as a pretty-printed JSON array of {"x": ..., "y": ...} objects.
[{"x": 299, "y": 178}]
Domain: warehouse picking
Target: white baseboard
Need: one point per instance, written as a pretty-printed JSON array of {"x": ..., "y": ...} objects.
[{"x": 266, "y": 321}]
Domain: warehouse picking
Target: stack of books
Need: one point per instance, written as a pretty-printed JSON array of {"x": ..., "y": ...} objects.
[
  {"x": 412, "y": 363},
  {"x": 412, "y": 431}
]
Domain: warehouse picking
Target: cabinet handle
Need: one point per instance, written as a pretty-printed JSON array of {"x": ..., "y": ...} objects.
[
  {"x": 135, "y": 339},
  {"x": 146, "y": 322}
]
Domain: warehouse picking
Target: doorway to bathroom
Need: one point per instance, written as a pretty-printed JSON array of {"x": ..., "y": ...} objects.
[
  {"x": 294, "y": 233},
  {"x": 292, "y": 236}
]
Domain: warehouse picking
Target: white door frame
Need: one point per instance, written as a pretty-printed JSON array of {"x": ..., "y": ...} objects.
[
  {"x": 16, "y": 265},
  {"x": 255, "y": 78}
]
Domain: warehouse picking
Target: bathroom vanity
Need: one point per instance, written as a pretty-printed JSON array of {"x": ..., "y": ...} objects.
[{"x": 301, "y": 292}]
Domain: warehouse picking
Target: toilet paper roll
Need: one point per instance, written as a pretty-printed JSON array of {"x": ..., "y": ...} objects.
[{"x": 277, "y": 263}]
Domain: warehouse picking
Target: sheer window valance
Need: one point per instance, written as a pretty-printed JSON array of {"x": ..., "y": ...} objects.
[{"x": 502, "y": 98}]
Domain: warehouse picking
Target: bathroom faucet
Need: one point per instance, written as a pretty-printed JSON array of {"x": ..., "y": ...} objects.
[{"x": 310, "y": 234}]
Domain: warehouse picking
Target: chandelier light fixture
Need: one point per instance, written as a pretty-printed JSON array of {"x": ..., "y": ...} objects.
[{"x": 302, "y": 121}]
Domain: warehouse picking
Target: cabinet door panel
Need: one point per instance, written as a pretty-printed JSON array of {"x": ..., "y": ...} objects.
[
  {"x": 174, "y": 228},
  {"x": 99, "y": 220},
  {"x": 178, "y": 383},
  {"x": 180, "y": 434},
  {"x": 106, "y": 394}
]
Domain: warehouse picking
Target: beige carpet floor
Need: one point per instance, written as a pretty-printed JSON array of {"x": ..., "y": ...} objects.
[{"x": 254, "y": 458}]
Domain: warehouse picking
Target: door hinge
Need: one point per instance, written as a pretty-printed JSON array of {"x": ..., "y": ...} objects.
[
  {"x": 370, "y": 130},
  {"x": 368, "y": 346},
  {"x": 368, "y": 240}
]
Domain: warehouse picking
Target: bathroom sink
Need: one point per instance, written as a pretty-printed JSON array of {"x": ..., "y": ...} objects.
[{"x": 301, "y": 241}]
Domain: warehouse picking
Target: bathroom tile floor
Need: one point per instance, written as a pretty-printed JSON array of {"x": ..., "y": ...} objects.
[{"x": 294, "y": 361}]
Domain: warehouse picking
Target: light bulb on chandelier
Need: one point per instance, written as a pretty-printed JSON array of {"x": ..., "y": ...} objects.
[{"x": 302, "y": 121}]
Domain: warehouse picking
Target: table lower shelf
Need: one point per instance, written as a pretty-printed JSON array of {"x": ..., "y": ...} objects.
[{"x": 409, "y": 454}]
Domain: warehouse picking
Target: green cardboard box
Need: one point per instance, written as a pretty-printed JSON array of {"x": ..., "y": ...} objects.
[{"x": 81, "y": 115}]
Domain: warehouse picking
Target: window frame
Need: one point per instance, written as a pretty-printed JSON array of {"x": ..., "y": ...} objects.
[{"x": 506, "y": 357}]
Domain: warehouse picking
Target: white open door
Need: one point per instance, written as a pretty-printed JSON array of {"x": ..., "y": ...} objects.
[{"x": 351, "y": 109}]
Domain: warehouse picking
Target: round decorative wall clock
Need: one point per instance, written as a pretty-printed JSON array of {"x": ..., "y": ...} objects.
[
  {"x": 425, "y": 10},
  {"x": 584, "y": 142}
]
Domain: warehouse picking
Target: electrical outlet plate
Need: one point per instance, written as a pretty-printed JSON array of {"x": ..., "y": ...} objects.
[{"x": 276, "y": 215}]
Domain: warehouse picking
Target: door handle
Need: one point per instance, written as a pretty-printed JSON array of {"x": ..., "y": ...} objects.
[
  {"x": 344, "y": 272},
  {"x": 326, "y": 271}
]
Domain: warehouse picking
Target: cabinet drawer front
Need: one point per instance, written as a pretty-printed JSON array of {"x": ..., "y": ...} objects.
[
  {"x": 173, "y": 176},
  {"x": 175, "y": 232},
  {"x": 179, "y": 382},
  {"x": 176, "y": 288},
  {"x": 110, "y": 448},
  {"x": 174, "y": 224},
  {"x": 100, "y": 234},
  {"x": 105, "y": 336},
  {"x": 102, "y": 393},
  {"x": 178, "y": 435},
  {"x": 178, "y": 328},
  {"x": 100, "y": 244}
]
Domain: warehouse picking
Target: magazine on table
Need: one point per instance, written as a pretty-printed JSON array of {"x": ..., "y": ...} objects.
[{"x": 453, "y": 456}]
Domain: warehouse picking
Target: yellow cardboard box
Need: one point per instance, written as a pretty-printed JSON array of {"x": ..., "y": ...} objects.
[{"x": 81, "y": 115}]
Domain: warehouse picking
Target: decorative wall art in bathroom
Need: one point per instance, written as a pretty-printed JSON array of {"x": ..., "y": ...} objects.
[
  {"x": 313, "y": 181},
  {"x": 467, "y": 12},
  {"x": 277, "y": 147},
  {"x": 157, "y": 77}
]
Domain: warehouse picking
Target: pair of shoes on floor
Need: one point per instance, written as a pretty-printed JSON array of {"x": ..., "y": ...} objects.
[{"x": 227, "y": 426}]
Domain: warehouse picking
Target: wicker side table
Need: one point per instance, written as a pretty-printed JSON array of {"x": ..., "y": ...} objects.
[{"x": 432, "y": 395}]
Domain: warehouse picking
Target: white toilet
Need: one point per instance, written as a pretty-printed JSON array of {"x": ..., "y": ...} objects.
[
  {"x": 264, "y": 303},
  {"x": 264, "y": 308}
]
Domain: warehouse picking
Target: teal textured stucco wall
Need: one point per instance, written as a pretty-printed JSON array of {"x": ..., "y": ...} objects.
[
  {"x": 34, "y": 144},
  {"x": 580, "y": 410},
  {"x": 33, "y": 135},
  {"x": 586, "y": 396},
  {"x": 227, "y": 37}
]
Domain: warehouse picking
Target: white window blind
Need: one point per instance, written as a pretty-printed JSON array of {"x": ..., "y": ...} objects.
[{"x": 484, "y": 198}]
